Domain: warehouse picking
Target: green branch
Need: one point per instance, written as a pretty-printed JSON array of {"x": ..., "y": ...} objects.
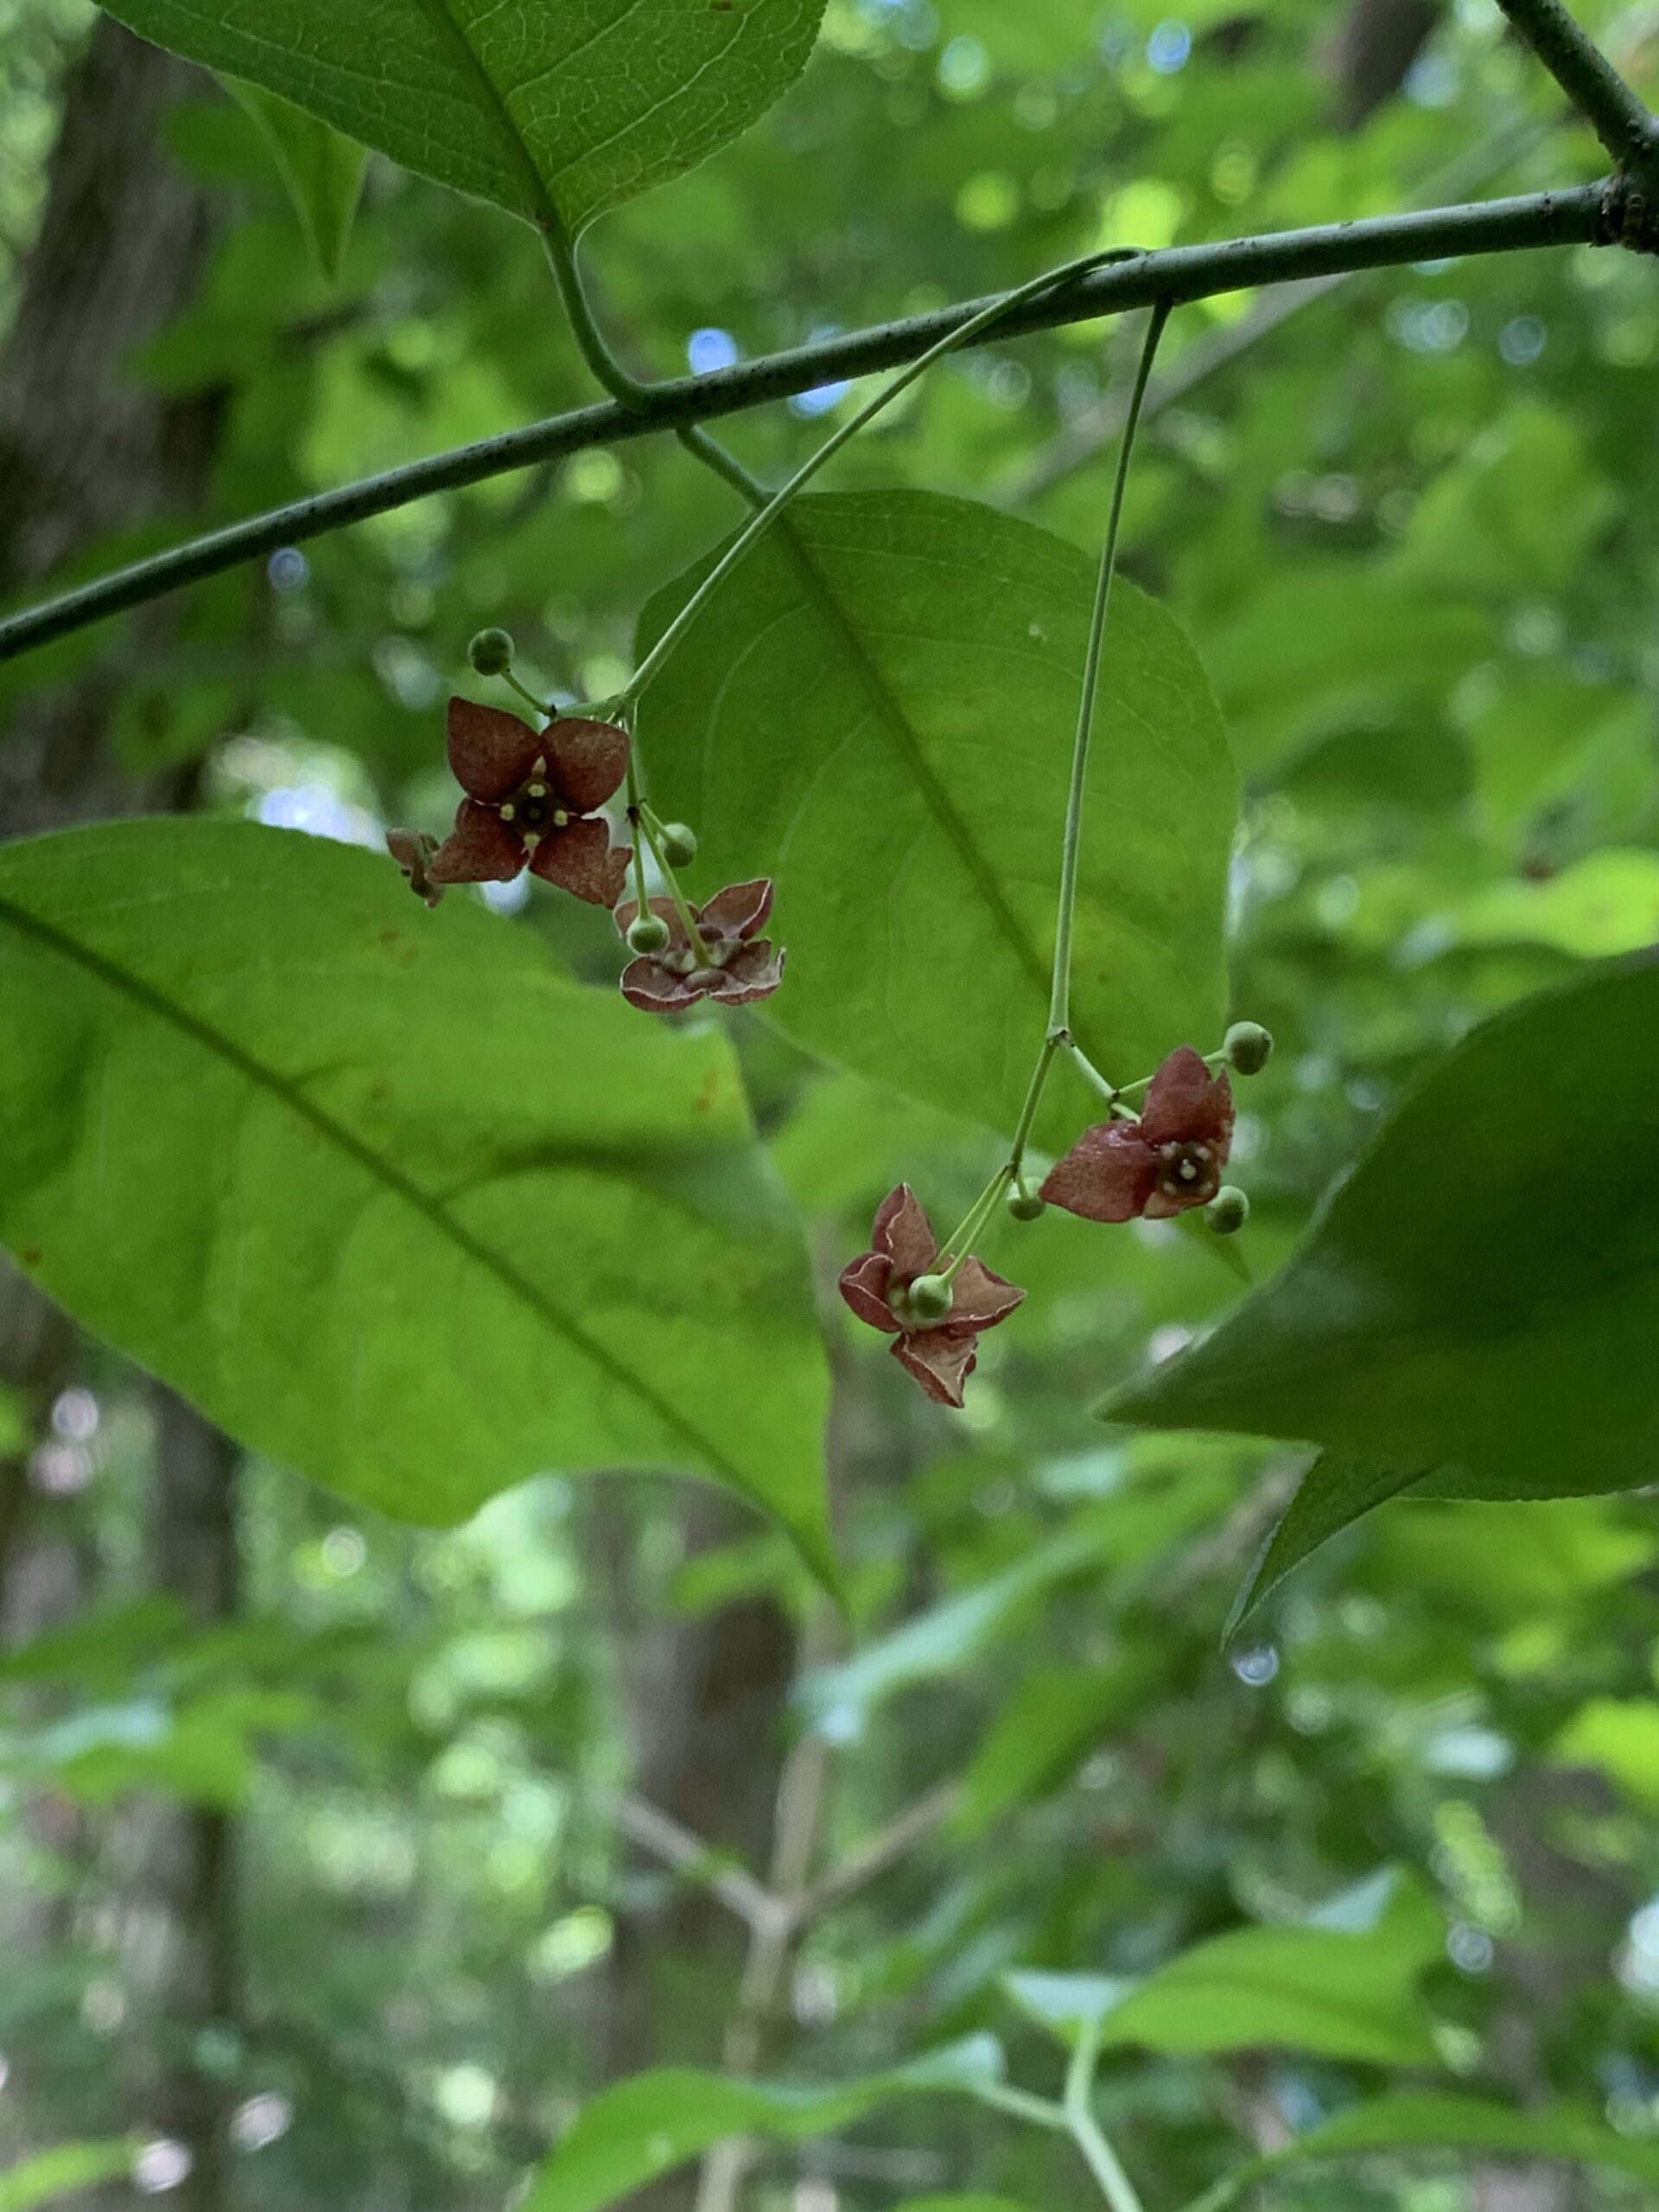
[
  {"x": 1576, "y": 217},
  {"x": 1619, "y": 118}
]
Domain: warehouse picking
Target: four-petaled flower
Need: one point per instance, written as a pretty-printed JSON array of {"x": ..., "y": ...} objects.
[
  {"x": 739, "y": 967},
  {"x": 939, "y": 1354},
  {"x": 1170, "y": 1160},
  {"x": 532, "y": 800}
]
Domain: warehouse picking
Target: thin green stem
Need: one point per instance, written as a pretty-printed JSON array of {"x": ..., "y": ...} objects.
[
  {"x": 638, "y": 813},
  {"x": 1577, "y": 216},
  {"x": 961, "y": 1242},
  {"x": 591, "y": 342},
  {"x": 714, "y": 455},
  {"x": 1040, "y": 2111},
  {"x": 1111, "y": 1092},
  {"x": 671, "y": 885},
  {"x": 523, "y": 691},
  {"x": 759, "y": 523},
  {"x": 1023, "y": 1126},
  {"x": 1087, "y": 2133},
  {"x": 1059, "y": 1009}
]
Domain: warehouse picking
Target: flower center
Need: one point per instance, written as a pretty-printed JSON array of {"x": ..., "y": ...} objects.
[
  {"x": 684, "y": 961},
  {"x": 1188, "y": 1174},
  {"x": 534, "y": 808}
]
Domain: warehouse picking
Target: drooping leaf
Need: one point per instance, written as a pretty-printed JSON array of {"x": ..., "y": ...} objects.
[
  {"x": 1333, "y": 1493},
  {"x": 555, "y": 112},
  {"x": 67, "y": 2168},
  {"x": 1342, "y": 1983},
  {"x": 642, "y": 2128},
  {"x": 321, "y": 170},
  {"x": 1427, "y": 2120},
  {"x": 878, "y": 707},
  {"x": 382, "y": 1191},
  {"x": 1481, "y": 1296}
]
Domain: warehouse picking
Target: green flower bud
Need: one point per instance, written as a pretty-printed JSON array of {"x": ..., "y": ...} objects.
[
  {"x": 491, "y": 652},
  {"x": 1025, "y": 1205},
  {"x": 679, "y": 844},
  {"x": 648, "y": 933},
  {"x": 930, "y": 1298},
  {"x": 1248, "y": 1047},
  {"x": 1228, "y": 1211}
]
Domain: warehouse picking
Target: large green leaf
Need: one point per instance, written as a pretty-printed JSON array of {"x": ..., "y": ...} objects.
[
  {"x": 557, "y": 111},
  {"x": 382, "y": 1191},
  {"x": 878, "y": 707},
  {"x": 1342, "y": 1983},
  {"x": 321, "y": 171},
  {"x": 1482, "y": 1296},
  {"x": 1430, "y": 2120},
  {"x": 630, "y": 2134}
]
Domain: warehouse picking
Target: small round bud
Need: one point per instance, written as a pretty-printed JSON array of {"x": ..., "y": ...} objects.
[
  {"x": 491, "y": 652},
  {"x": 930, "y": 1298},
  {"x": 1228, "y": 1211},
  {"x": 1025, "y": 1205},
  {"x": 648, "y": 934},
  {"x": 679, "y": 844},
  {"x": 1247, "y": 1046}
]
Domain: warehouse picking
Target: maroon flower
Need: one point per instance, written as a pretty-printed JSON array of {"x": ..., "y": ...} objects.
[
  {"x": 1170, "y": 1160},
  {"x": 939, "y": 1354},
  {"x": 413, "y": 851},
  {"x": 531, "y": 801},
  {"x": 740, "y": 967}
]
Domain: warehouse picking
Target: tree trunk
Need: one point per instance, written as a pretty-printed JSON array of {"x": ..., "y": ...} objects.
[
  {"x": 706, "y": 1698},
  {"x": 179, "y": 1943},
  {"x": 84, "y": 449}
]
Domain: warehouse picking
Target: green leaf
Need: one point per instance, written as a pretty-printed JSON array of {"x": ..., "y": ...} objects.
[
  {"x": 1621, "y": 1737},
  {"x": 1482, "y": 1295},
  {"x": 630, "y": 2134},
  {"x": 321, "y": 171},
  {"x": 13, "y": 1426},
  {"x": 970, "y": 2203},
  {"x": 878, "y": 707},
  {"x": 1056, "y": 1715},
  {"x": 1519, "y": 511},
  {"x": 945, "y": 1637},
  {"x": 555, "y": 112},
  {"x": 382, "y": 1191},
  {"x": 57, "y": 2172},
  {"x": 1333, "y": 1493},
  {"x": 1342, "y": 1983},
  {"x": 1604, "y": 904},
  {"x": 1430, "y": 2120}
]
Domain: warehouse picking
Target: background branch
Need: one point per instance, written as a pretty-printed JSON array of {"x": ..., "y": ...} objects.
[
  {"x": 1619, "y": 118},
  {"x": 1177, "y": 274}
]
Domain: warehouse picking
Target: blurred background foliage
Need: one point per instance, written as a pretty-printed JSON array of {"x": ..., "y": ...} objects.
[{"x": 1409, "y": 519}]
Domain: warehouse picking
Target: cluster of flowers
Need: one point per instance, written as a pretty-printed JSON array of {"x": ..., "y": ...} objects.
[
  {"x": 532, "y": 801},
  {"x": 935, "y": 1306}
]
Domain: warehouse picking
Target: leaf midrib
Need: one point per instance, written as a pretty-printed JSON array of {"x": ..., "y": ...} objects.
[
  {"x": 897, "y": 723},
  {"x": 381, "y": 1170},
  {"x": 439, "y": 15}
]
